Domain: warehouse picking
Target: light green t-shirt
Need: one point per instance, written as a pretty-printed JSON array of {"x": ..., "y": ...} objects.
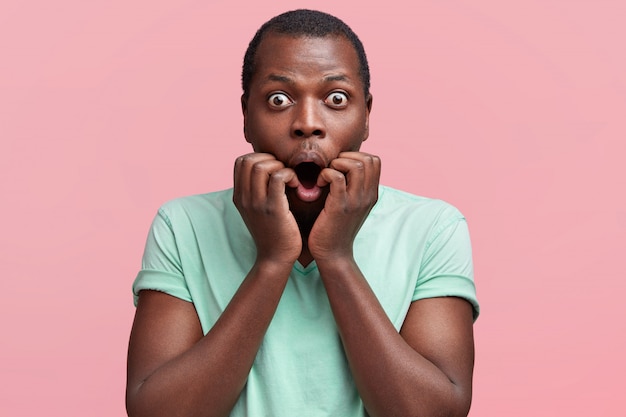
[{"x": 409, "y": 248}]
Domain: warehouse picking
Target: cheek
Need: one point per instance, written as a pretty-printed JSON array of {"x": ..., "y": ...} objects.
[
  {"x": 259, "y": 132},
  {"x": 269, "y": 125},
  {"x": 353, "y": 134}
]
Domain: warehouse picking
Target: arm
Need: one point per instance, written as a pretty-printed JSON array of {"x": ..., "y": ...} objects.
[
  {"x": 426, "y": 369},
  {"x": 172, "y": 368}
]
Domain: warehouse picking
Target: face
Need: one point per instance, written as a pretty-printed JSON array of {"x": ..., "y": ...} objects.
[{"x": 306, "y": 102}]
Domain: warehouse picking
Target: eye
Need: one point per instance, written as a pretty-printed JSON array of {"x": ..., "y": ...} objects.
[
  {"x": 337, "y": 99},
  {"x": 279, "y": 100}
]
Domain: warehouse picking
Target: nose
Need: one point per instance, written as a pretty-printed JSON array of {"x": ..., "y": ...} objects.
[{"x": 308, "y": 119}]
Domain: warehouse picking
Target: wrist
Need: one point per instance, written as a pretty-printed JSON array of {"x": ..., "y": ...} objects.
[
  {"x": 337, "y": 264},
  {"x": 329, "y": 255},
  {"x": 273, "y": 266}
]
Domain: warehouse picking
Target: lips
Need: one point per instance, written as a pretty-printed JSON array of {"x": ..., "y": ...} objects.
[{"x": 308, "y": 166}]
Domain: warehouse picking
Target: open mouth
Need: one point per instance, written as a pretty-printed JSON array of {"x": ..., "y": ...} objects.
[{"x": 307, "y": 173}]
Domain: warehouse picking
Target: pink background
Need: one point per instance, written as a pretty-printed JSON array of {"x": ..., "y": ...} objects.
[{"x": 514, "y": 111}]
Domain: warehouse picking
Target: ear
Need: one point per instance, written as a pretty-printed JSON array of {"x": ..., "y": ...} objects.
[
  {"x": 244, "y": 111},
  {"x": 368, "y": 109}
]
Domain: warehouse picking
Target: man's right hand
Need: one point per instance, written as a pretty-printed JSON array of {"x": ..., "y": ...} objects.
[{"x": 259, "y": 195}]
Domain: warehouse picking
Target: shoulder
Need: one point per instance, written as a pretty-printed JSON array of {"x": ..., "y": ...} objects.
[
  {"x": 411, "y": 222},
  {"x": 214, "y": 201},
  {"x": 199, "y": 207},
  {"x": 189, "y": 217},
  {"x": 393, "y": 203}
]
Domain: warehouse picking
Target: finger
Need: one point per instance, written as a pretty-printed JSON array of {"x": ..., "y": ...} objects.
[
  {"x": 260, "y": 174},
  {"x": 375, "y": 177},
  {"x": 366, "y": 158},
  {"x": 371, "y": 164},
  {"x": 352, "y": 155},
  {"x": 240, "y": 186},
  {"x": 245, "y": 162},
  {"x": 279, "y": 180},
  {"x": 371, "y": 169},
  {"x": 355, "y": 172},
  {"x": 242, "y": 169},
  {"x": 337, "y": 182}
]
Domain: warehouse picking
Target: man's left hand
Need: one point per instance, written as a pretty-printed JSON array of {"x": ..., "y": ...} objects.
[{"x": 353, "y": 178}]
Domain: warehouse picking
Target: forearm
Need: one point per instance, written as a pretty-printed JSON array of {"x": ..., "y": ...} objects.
[
  {"x": 392, "y": 378},
  {"x": 206, "y": 380}
]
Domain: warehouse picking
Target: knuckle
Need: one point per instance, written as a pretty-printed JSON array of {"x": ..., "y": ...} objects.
[
  {"x": 247, "y": 159},
  {"x": 339, "y": 177},
  {"x": 258, "y": 206},
  {"x": 257, "y": 169},
  {"x": 244, "y": 204},
  {"x": 276, "y": 176},
  {"x": 238, "y": 164}
]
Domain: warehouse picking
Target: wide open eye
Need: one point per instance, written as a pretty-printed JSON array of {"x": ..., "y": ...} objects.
[
  {"x": 279, "y": 100},
  {"x": 337, "y": 99}
]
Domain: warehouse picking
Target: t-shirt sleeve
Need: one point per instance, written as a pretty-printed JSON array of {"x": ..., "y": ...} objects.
[
  {"x": 447, "y": 269},
  {"x": 161, "y": 268}
]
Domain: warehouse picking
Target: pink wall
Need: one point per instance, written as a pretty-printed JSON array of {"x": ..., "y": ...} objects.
[{"x": 513, "y": 111}]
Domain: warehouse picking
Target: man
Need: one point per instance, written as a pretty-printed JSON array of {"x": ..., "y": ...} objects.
[{"x": 308, "y": 289}]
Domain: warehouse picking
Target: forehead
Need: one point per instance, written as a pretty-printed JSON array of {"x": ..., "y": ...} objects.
[{"x": 306, "y": 54}]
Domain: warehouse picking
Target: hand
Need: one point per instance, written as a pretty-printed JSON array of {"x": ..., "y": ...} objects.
[
  {"x": 353, "y": 179},
  {"x": 259, "y": 195}
]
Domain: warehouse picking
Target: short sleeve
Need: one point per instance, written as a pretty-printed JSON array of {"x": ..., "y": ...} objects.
[
  {"x": 161, "y": 268},
  {"x": 447, "y": 269}
]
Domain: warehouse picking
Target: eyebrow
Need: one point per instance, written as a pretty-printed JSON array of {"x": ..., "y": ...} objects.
[
  {"x": 288, "y": 80},
  {"x": 338, "y": 77},
  {"x": 280, "y": 78}
]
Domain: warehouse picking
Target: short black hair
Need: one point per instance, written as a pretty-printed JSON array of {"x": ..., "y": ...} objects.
[{"x": 304, "y": 22}]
